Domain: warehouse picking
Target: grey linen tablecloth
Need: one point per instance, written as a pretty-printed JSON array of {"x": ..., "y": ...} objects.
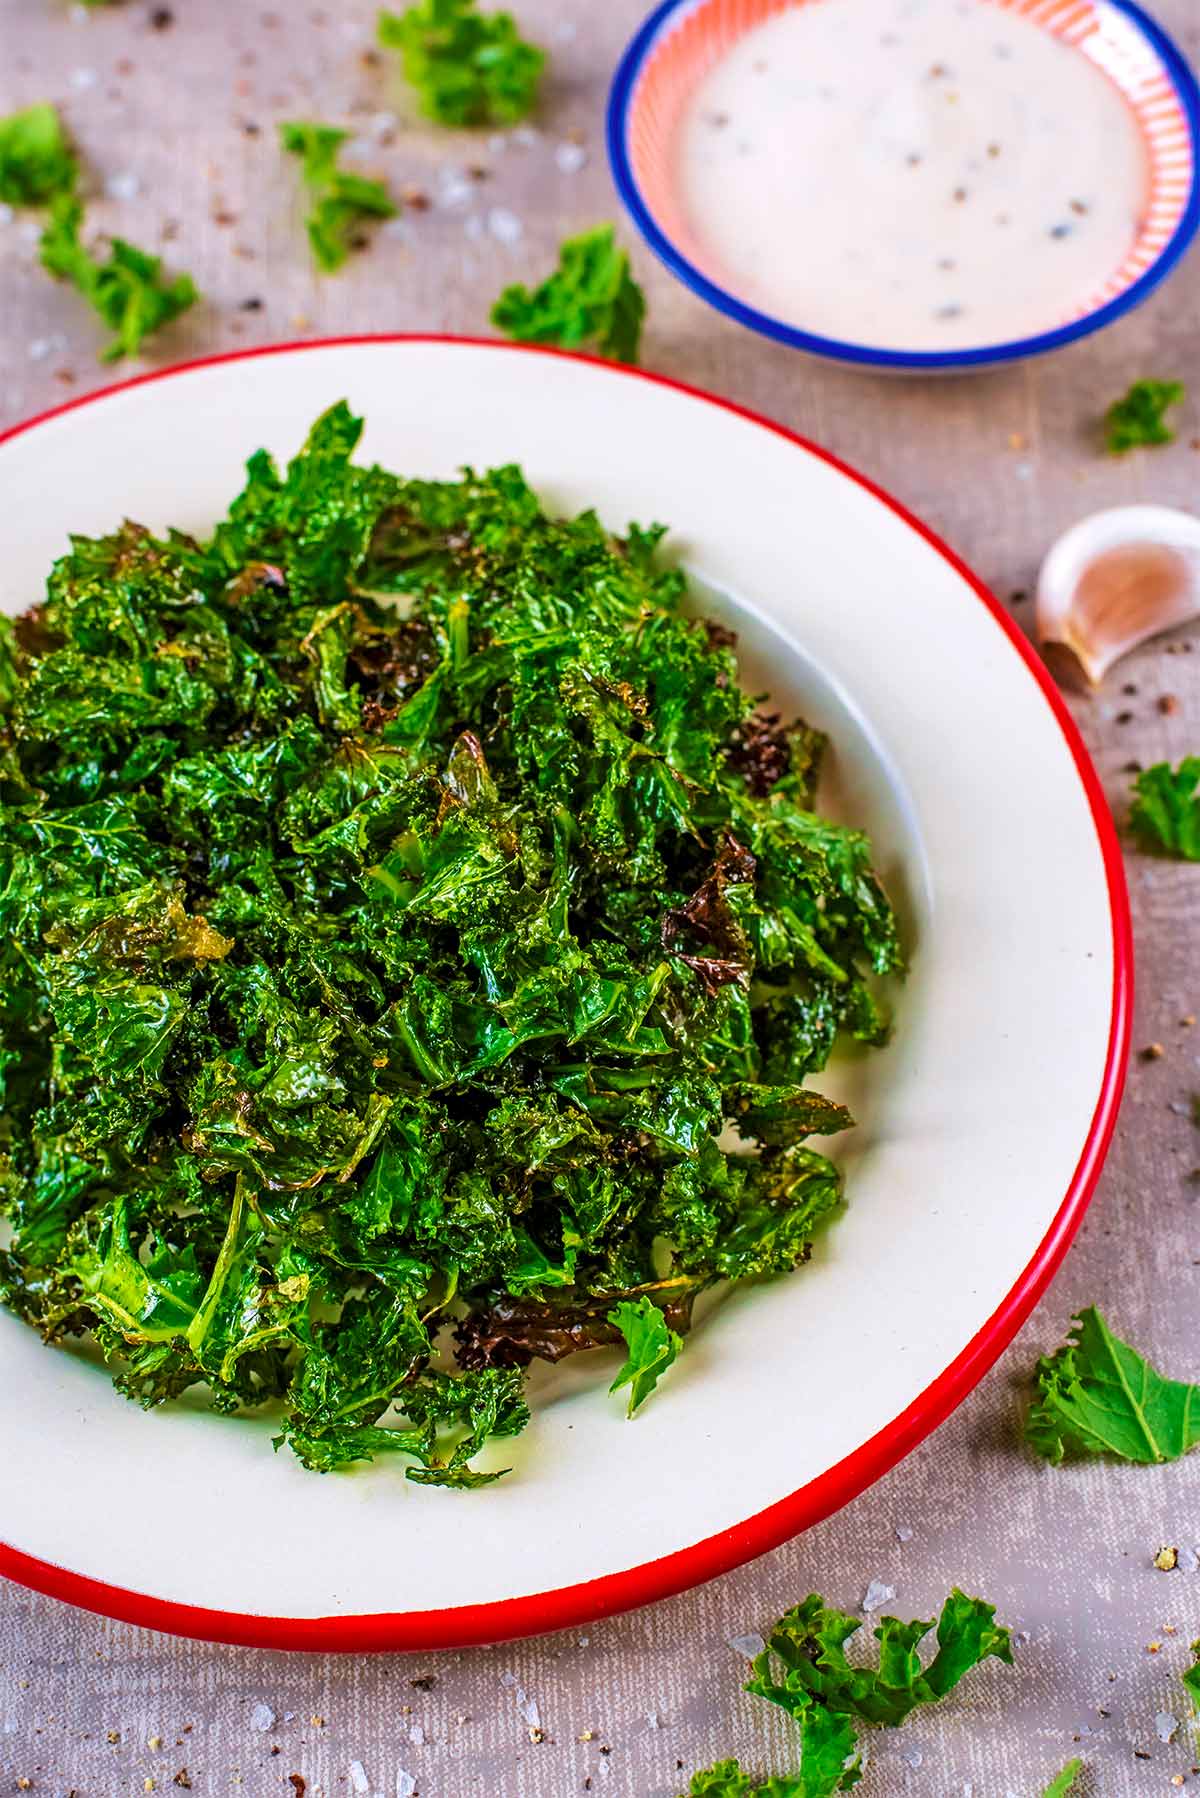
[{"x": 163, "y": 114}]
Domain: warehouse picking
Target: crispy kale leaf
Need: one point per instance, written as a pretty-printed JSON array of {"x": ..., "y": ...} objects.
[
  {"x": 805, "y": 1670},
  {"x": 341, "y": 201},
  {"x": 1139, "y": 418},
  {"x": 36, "y": 162},
  {"x": 1165, "y": 810},
  {"x": 590, "y": 299},
  {"x": 391, "y": 927},
  {"x": 810, "y": 1643},
  {"x": 468, "y": 67},
  {"x": 826, "y": 1772},
  {"x": 127, "y": 290},
  {"x": 1191, "y": 1676},
  {"x": 1097, "y": 1396},
  {"x": 1063, "y": 1782},
  {"x": 652, "y": 1346}
]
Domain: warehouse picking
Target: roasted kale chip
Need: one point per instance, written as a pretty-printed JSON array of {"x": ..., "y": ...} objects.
[{"x": 393, "y": 918}]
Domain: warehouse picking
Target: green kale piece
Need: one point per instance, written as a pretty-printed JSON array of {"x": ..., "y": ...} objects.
[
  {"x": 36, "y": 162},
  {"x": 341, "y": 201},
  {"x": 399, "y": 904},
  {"x": 468, "y": 67},
  {"x": 1139, "y": 418},
  {"x": 1063, "y": 1782},
  {"x": 1165, "y": 810},
  {"x": 1097, "y": 1396},
  {"x": 810, "y": 1642},
  {"x": 652, "y": 1346},
  {"x": 1191, "y": 1676},
  {"x": 126, "y": 291},
  {"x": 829, "y": 1741},
  {"x": 590, "y": 299},
  {"x": 822, "y": 1692}
]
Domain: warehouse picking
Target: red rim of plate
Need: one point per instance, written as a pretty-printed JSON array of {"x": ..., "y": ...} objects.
[{"x": 466, "y": 1625}]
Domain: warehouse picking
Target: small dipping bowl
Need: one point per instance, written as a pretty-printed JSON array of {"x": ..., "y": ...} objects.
[{"x": 683, "y": 40}]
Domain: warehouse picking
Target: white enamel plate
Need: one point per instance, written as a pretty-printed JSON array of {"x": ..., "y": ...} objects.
[{"x": 981, "y": 1127}]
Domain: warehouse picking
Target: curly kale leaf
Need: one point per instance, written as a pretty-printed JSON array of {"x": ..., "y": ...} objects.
[
  {"x": 396, "y": 927},
  {"x": 1139, "y": 417},
  {"x": 1165, "y": 811},
  {"x": 652, "y": 1346},
  {"x": 468, "y": 67},
  {"x": 809, "y": 1642},
  {"x": 827, "y": 1745},
  {"x": 36, "y": 161},
  {"x": 340, "y": 201},
  {"x": 1096, "y": 1395},
  {"x": 1063, "y": 1783},
  {"x": 127, "y": 290},
  {"x": 805, "y": 1670},
  {"x": 590, "y": 300}
]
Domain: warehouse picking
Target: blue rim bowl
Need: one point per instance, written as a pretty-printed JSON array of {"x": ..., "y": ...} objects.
[{"x": 1187, "y": 92}]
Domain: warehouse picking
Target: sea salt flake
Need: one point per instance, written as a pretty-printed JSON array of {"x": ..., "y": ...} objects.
[
  {"x": 913, "y": 1756},
  {"x": 652, "y": 1720},
  {"x": 42, "y": 347},
  {"x": 877, "y": 1593},
  {"x": 497, "y": 143},
  {"x": 262, "y": 1717},
  {"x": 7, "y": 215},
  {"x": 122, "y": 186},
  {"x": 1165, "y": 1726},
  {"x": 526, "y": 136},
  {"x": 570, "y": 158},
  {"x": 749, "y": 1645},
  {"x": 406, "y": 1785},
  {"x": 529, "y": 1710},
  {"x": 454, "y": 187},
  {"x": 527, "y": 1707},
  {"x": 903, "y": 1533},
  {"x": 416, "y": 1736},
  {"x": 565, "y": 31},
  {"x": 83, "y": 78},
  {"x": 504, "y": 225},
  {"x": 358, "y": 1777},
  {"x": 383, "y": 124}
]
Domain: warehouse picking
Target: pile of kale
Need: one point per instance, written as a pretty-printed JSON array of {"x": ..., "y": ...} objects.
[{"x": 379, "y": 975}]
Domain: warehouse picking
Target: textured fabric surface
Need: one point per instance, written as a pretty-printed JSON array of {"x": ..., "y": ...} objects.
[{"x": 999, "y": 465}]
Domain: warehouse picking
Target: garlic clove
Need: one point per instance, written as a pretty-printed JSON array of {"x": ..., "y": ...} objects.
[{"x": 1116, "y": 579}]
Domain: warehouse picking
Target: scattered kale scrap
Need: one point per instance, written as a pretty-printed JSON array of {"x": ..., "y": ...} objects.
[
  {"x": 341, "y": 201},
  {"x": 591, "y": 298},
  {"x": 468, "y": 67},
  {"x": 36, "y": 161},
  {"x": 378, "y": 980},
  {"x": 805, "y": 1669},
  {"x": 126, "y": 290},
  {"x": 1138, "y": 419},
  {"x": 1165, "y": 811},
  {"x": 1097, "y": 1396}
]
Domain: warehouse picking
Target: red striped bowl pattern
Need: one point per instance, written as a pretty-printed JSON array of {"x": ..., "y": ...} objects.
[{"x": 698, "y": 36}]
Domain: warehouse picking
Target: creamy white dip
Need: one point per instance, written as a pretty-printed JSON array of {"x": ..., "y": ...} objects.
[{"x": 910, "y": 174}]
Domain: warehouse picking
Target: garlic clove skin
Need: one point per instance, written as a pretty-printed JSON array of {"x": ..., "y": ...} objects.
[{"x": 1117, "y": 578}]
